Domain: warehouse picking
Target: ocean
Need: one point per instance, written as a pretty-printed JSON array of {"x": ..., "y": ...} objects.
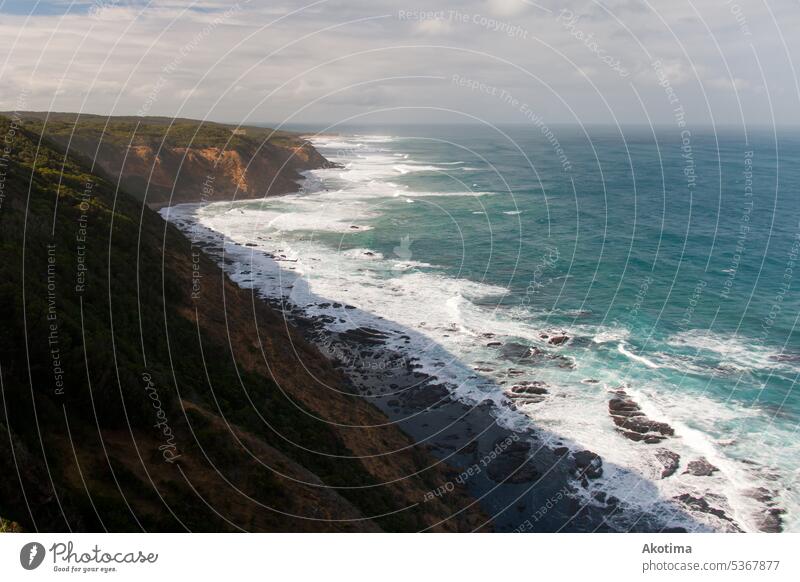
[{"x": 655, "y": 264}]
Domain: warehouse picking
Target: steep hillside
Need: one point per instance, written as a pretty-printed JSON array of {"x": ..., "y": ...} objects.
[
  {"x": 162, "y": 160},
  {"x": 141, "y": 389}
]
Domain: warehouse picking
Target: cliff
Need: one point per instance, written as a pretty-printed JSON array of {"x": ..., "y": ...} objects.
[
  {"x": 143, "y": 390},
  {"x": 169, "y": 161}
]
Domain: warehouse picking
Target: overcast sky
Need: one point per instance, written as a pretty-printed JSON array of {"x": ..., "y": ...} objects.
[{"x": 504, "y": 61}]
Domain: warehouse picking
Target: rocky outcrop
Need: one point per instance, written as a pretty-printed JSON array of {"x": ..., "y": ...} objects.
[
  {"x": 669, "y": 460},
  {"x": 633, "y": 423},
  {"x": 701, "y": 505},
  {"x": 186, "y": 161},
  {"x": 527, "y": 393},
  {"x": 588, "y": 465},
  {"x": 700, "y": 468},
  {"x": 533, "y": 356}
]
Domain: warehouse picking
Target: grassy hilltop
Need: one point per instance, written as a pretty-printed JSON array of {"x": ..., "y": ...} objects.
[
  {"x": 127, "y": 404},
  {"x": 163, "y": 160}
]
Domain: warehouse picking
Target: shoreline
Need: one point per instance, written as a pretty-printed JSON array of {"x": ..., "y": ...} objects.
[
  {"x": 527, "y": 480},
  {"x": 514, "y": 475},
  {"x": 541, "y": 466}
]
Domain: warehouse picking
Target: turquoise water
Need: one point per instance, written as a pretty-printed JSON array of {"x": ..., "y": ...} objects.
[
  {"x": 637, "y": 246},
  {"x": 667, "y": 258}
]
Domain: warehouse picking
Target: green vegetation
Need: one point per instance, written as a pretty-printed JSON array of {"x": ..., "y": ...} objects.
[
  {"x": 93, "y": 297},
  {"x": 120, "y": 131}
]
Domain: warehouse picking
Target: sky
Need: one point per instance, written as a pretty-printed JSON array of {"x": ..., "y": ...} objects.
[{"x": 704, "y": 62}]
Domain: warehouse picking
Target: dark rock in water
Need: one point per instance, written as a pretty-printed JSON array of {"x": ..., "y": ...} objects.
[
  {"x": 700, "y": 504},
  {"x": 517, "y": 352},
  {"x": 785, "y": 358},
  {"x": 590, "y": 381},
  {"x": 647, "y": 438},
  {"x": 771, "y": 521},
  {"x": 515, "y": 372},
  {"x": 578, "y": 313},
  {"x": 494, "y": 344},
  {"x": 527, "y": 393},
  {"x": 533, "y": 387},
  {"x": 581, "y": 342},
  {"x": 513, "y": 465},
  {"x": 349, "y": 307},
  {"x": 700, "y": 468},
  {"x": 557, "y": 340},
  {"x": 588, "y": 465},
  {"x": 363, "y": 335},
  {"x": 620, "y": 404},
  {"x": 531, "y": 355},
  {"x": 628, "y": 413},
  {"x": 761, "y": 494},
  {"x": 560, "y": 451},
  {"x": 517, "y": 402},
  {"x": 633, "y": 423},
  {"x": 670, "y": 460},
  {"x": 642, "y": 425},
  {"x": 563, "y": 362}
]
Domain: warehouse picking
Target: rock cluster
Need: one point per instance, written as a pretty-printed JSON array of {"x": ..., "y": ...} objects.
[
  {"x": 588, "y": 465},
  {"x": 669, "y": 460},
  {"x": 700, "y": 468},
  {"x": 527, "y": 393},
  {"x": 633, "y": 423}
]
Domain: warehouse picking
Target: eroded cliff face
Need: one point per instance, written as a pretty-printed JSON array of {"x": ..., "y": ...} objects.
[
  {"x": 174, "y": 407},
  {"x": 167, "y": 174},
  {"x": 173, "y": 161}
]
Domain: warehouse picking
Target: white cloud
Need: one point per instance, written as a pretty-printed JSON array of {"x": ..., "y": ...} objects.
[
  {"x": 115, "y": 61},
  {"x": 507, "y": 7},
  {"x": 433, "y": 27}
]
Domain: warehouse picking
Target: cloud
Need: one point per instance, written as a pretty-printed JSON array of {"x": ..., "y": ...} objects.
[
  {"x": 433, "y": 27},
  {"x": 507, "y": 7},
  {"x": 265, "y": 61},
  {"x": 728, "y": 84}
]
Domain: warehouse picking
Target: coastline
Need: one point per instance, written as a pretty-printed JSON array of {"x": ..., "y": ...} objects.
[
  {"x": 158, "y": 206},
  {"x": 526, "y": 480},
  {"x": 633, "y": 471},
  {"x": 277, "y": 188},
  {"x": 522, "y": 482}
]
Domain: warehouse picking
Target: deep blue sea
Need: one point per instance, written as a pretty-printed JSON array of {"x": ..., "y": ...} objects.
[{"x": 668, "y": 256}]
